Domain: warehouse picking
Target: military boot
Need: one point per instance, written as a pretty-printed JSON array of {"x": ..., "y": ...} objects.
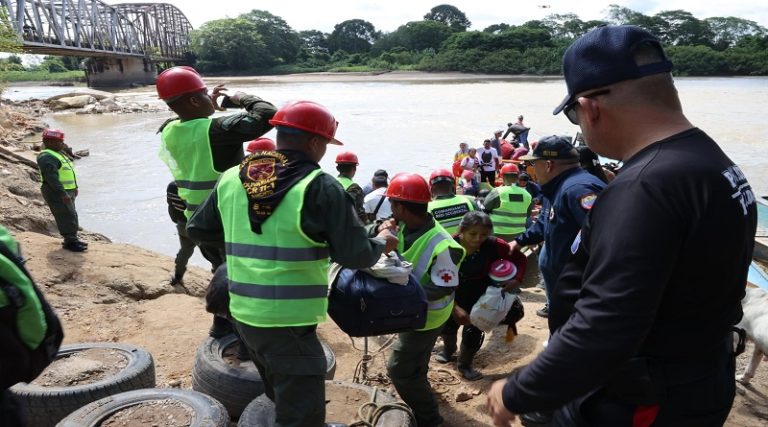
[
  {"x": 449, "y": 347},
  {"x": 465, "y": 364}
]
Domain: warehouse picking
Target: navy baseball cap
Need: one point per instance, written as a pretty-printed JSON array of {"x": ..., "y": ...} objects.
[
  {"x": 553, "y": 148},
  {"x": 605, "y": 56}
]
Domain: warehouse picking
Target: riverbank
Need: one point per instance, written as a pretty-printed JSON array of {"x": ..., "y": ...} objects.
[{"x": 121, "y": 293}]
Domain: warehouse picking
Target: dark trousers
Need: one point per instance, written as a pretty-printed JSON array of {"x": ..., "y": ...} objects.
[
  {"x": 186, "y": 249},
  {"x": 471, "y": 337},
  {"x": 292, "y": 365},
  {"x": 408, "y": 366},
  {"x": 64, "y": 214},
  {"x": 489, "y": 177},
  {"x": 694, "y": 393}
]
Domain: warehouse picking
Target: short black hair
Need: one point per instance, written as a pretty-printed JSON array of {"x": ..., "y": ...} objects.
[
  {"x": 475, "y": 218},
  {"x": 417, "y": 209},
  {"x": 345, "y": 167}
]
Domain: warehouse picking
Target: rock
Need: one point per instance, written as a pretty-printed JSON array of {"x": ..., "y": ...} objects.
[
  {"x": 79, "y": 101},
  {"x": 97, "y": 94},
  {"x": 463, "y": 396},
  {"x": 88, "y": 109},
  {"x": 174, "y": 383}
]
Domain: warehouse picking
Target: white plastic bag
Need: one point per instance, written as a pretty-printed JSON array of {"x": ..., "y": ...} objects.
[
  {"x": 391, "y": 268},
  {"x": 491, "y": 308}
]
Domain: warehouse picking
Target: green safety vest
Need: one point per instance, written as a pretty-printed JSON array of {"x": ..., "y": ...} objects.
[
  {"x": 30, "y": 319},
  {"x": 66, "y": 170},
  {"x": 421, "y": 254},
  {"x": 449, "y": 211},
  {"x": 186, "y": 149},
  {"x": 511, "y": 215},
  {"x": 278, "y": 278},
  {"x": 345, "y": 182}
]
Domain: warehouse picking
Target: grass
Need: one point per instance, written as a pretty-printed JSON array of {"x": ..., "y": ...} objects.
[{"x": 42, "y": 76}]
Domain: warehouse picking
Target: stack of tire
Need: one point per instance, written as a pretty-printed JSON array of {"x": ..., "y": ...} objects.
[{"x": 234, "y": 385}]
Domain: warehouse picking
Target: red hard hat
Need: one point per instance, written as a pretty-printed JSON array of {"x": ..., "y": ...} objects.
[
  {"x": 53, "y": 134},
  {"x": 347, "y": 157},
  {"x": 409, "y": 187},
  {"x": 261, "y": 144},
  {"x": 468, "y": 175},
  {"x": 178, "y": 81},
  {"x": 307, "y": 116},
  {"x": 439, "y": 175},
  {"x": 510, "y": 168}
]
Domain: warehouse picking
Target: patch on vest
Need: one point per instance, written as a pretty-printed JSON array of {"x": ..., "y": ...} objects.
[
  {"x": 449, "y": 212},
  {"x": 587, "y": 201},
  {"x": 445, "y": 275}
]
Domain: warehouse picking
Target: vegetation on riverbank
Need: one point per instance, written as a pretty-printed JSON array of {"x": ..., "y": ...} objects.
[
  {"x": 258, "y": 42},
  {"x": 42, "y": 75}
]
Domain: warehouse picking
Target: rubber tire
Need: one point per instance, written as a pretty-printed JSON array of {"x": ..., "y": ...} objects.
[
  {"x": 261, "y": 411},
  {"x": 208, "y": 411},
  {"x": 234, "y": 387},
  {"x": 45, "y": 406}
]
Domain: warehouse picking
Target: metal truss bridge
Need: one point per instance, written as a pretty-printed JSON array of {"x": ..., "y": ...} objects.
[{"x": 92, "y": 28}]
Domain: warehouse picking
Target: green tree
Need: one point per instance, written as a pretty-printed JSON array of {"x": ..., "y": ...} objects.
[
  {"x": 315, "y": 42},
  {"x": 353, "y": 36},
  {"x": 281, "y": 41},
  {"x": 682, "y": 28},
  {"x": 419, "y": 35},
  {"x": 15, "y": 59},
  {"x": 496, "y": 28},
  {"x": 727, "y": 31},
  {"x": 450, "y": 16},
  {"x": 9, "y": 40},
  {"x": 229, "y": 44}
]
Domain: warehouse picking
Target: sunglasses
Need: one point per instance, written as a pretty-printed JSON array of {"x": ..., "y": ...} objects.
[{"x": 570, "y": 109}]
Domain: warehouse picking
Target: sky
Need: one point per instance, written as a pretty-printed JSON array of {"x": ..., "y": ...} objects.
[{"x": 387, "y": 15}]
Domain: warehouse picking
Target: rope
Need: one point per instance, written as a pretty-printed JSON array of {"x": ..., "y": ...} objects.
[
  {"x": 361, "y": 375},
  {"x": 371, "y": 412},
  {"x": 441, "y": 379}
]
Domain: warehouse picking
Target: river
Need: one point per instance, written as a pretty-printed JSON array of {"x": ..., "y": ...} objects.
[{"x": 405, "y": 124}]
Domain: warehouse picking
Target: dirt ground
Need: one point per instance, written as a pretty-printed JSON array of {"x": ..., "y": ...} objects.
[{"x": 121, "y": 293}]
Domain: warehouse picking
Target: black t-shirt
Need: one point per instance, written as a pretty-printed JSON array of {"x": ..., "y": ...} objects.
[{"x": 659, "y": 271}]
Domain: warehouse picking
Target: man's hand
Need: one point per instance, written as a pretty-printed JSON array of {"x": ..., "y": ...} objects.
[
  {"x": 390, "y": 224},
  {"x": 218, "y": 92},
  {"x": 390, "y": 239},
  {"x": 235, "y": 99},
  {"x": 460, "y": 316},
  {"x": 514, "y": 247},
  {"x": 495, "y": 405}
]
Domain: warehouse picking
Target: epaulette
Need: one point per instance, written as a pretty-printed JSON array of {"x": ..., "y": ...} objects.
[{"x": 162, "y": 126}]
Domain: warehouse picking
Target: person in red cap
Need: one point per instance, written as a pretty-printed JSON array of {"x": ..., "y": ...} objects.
[
  {"x": 282, "y": 220},
  {"x": 59, "y": 188},
  {"x": 346, "y": 165},
  {"x": 436, "y": 258},
  {"x": 482, "y": 248},
  {"x": 198, "y": 148}
]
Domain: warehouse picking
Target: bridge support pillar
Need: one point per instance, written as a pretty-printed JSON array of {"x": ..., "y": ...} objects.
[{"x": 119, "y": 72}]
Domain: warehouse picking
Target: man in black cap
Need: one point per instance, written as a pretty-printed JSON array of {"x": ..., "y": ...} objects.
[
  {"x": 370, "y": 186},
  {"x": 568, "y": 193},
  {"x": 643, "y": 312}
]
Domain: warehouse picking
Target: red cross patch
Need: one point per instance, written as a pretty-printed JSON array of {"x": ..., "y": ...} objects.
[{"x": 446, "y": 277}]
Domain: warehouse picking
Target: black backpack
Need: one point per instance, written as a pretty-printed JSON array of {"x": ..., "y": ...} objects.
[
  {"x": 31, "y": 362},
  {"x": 365, "y": 306}
]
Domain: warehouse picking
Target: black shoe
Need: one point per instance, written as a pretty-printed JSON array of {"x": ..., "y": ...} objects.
[
  {"x": 176, "y": 280},
  {"x": 75, "y": 246},
  {"x": 220, "y": 327},
  {"x": 543, "y": 312},
  {"x": 536, "y": 419},
  {"x": 242, "y": 352}
]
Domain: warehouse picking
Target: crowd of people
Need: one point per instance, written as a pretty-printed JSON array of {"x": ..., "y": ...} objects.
[{"x": 640, "y": 335}]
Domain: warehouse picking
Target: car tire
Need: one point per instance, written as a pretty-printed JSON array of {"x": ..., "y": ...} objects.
[
  {"x": 207, "y": 411},
  {"x": 45, "y": 406}
]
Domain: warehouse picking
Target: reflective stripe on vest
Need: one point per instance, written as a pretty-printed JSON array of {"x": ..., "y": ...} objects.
[
  {"x": 186, "y": 149},
  {"x": 66, "y": 170},
  {"x": 449, "y": 211},
  {"x": 278, "y": 278},
  {"x": 511, "y": 215},
  {"x": 30, "y": 319},
  {"x": 345, "y": 182},
  {"x": 421, "y": 254}
]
